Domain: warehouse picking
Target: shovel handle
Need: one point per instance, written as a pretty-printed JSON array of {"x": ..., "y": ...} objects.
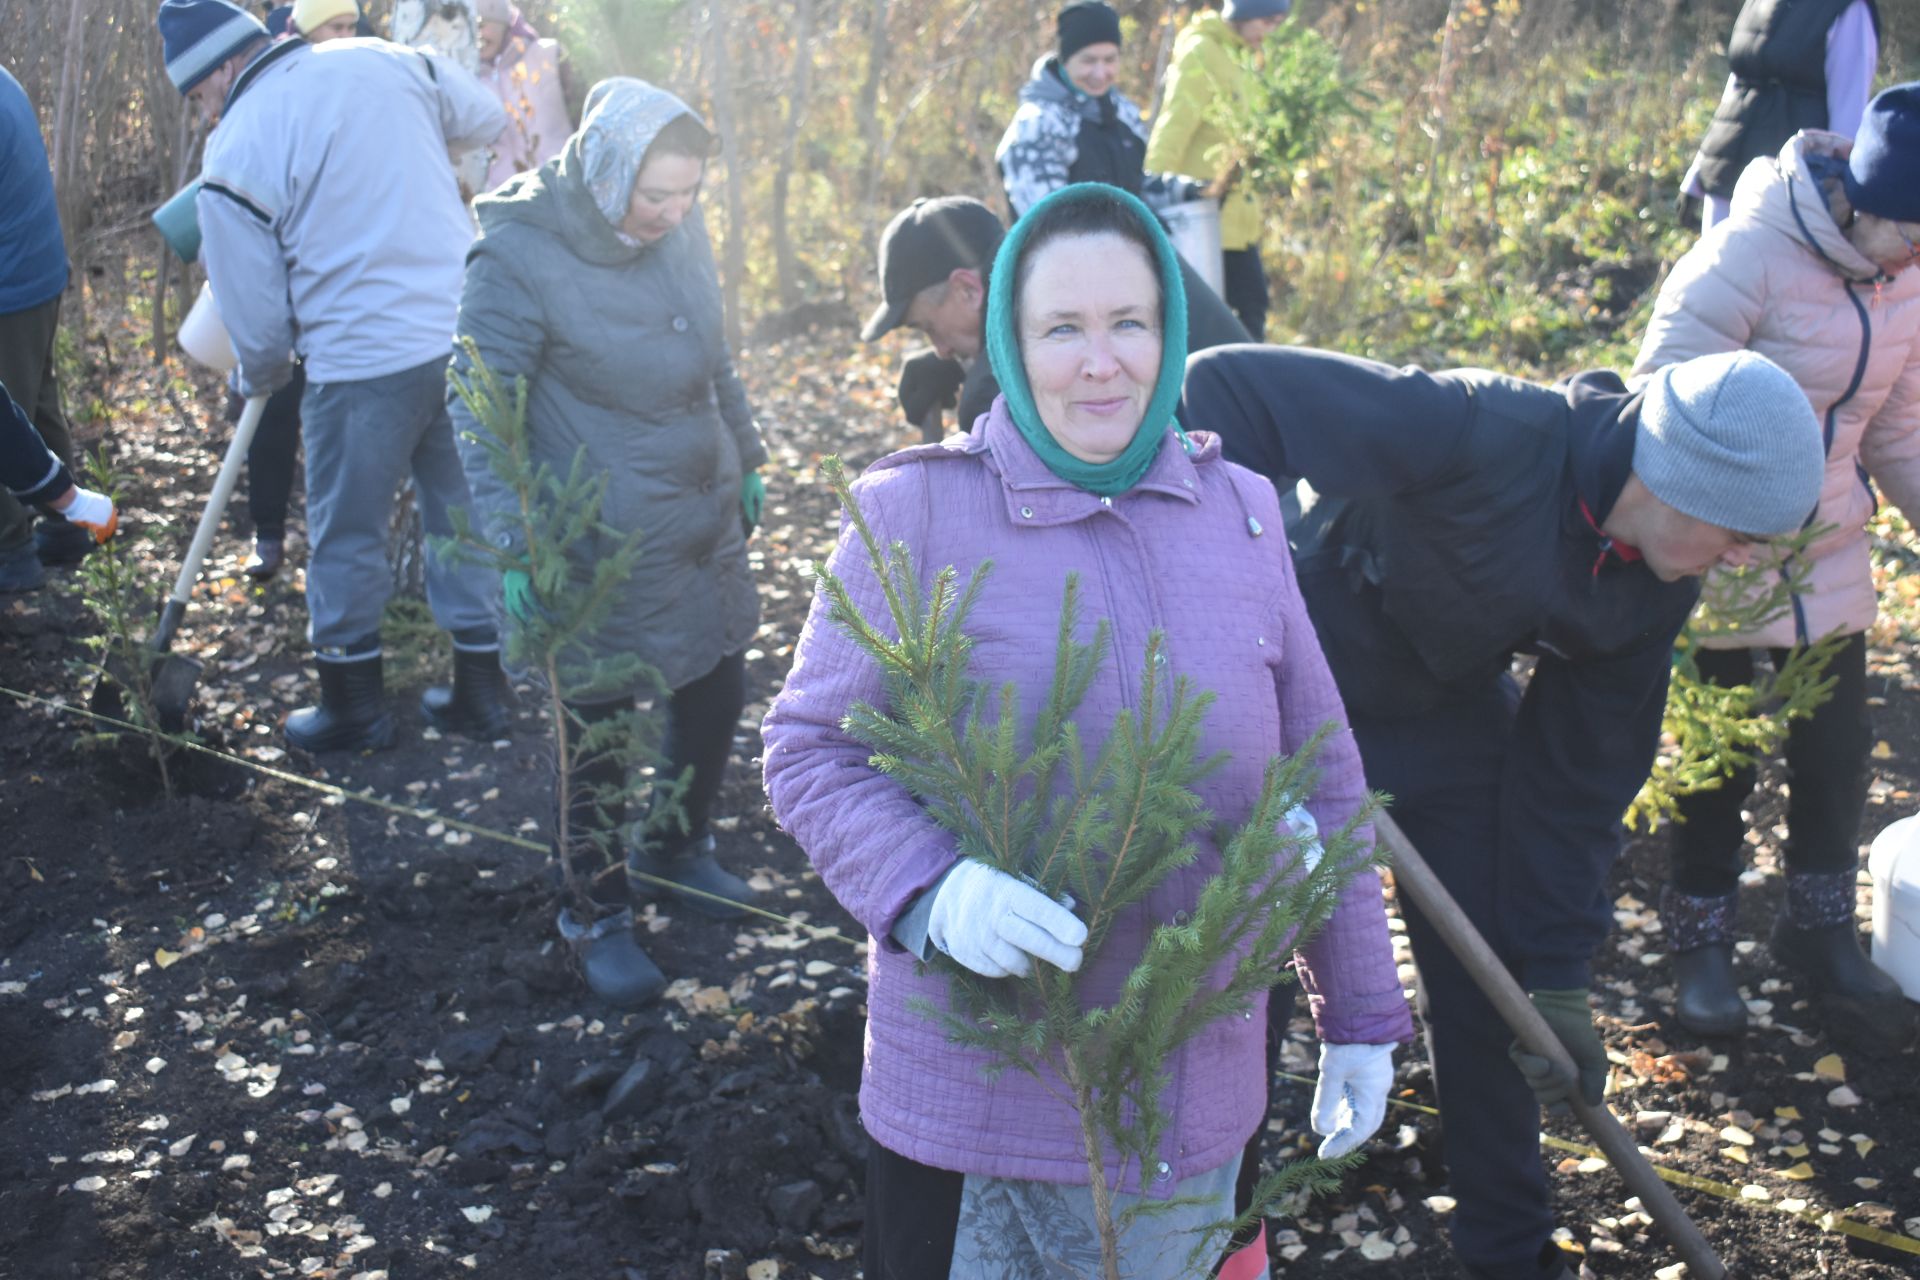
[
  {"x": 1411, "y": 873},
  {"x": 223, "y": 486}
]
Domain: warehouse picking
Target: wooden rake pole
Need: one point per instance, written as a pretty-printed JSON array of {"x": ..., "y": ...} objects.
[{"x": 1411, "y": 873}]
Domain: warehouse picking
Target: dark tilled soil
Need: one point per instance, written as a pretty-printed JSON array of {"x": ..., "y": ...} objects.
[{"x": 261, "y": 1030}]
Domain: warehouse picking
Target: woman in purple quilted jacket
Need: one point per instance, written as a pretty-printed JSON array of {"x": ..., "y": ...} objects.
[{"x": 1079, "y": 467}]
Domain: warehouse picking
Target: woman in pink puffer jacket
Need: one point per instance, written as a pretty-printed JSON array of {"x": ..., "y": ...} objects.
[{"x": 1813, "y": 270}]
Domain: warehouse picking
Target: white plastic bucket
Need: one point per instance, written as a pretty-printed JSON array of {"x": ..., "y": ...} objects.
[
  {"x": 204, "y": 337},
  {"x": 1894, "y": 863},
  {"x": 1194, "y": 228}
]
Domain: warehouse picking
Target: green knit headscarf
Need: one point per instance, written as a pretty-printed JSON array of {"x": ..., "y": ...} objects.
[{"x": 1003, "y": 349}]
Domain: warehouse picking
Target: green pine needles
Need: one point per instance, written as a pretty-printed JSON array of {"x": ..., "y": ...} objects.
[
  {"x": 118, "y": 593},
  {"x": 1709, "y": 731},
  {"x": 599, "y": 764},
  {"x": 1101, "y": 823},
  {"x": 1296, "y": 92}
]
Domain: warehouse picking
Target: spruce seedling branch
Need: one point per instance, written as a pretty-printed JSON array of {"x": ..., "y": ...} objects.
[
  {"x": 1101, "y": 829},
  {"x": 1711, "y": 731},
  {"x": 598, "y": 765}
]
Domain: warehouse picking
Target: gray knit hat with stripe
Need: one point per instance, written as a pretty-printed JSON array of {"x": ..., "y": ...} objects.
[
  {"x": 1730, "y": 440},
  {"x": 196, "y": 36}
]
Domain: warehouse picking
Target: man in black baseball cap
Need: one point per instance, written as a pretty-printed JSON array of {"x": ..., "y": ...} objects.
[{"x": 935, "y": 259}]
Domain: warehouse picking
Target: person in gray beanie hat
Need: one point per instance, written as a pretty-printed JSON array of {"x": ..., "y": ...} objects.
[
  {"x": 1730, "y": 441},
  {"x": 1451, "y": 521}
]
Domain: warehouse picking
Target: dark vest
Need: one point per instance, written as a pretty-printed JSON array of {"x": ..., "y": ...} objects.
[
  {"x": 1109, "y": 152},
  {"x": 1778, "y": 56}
]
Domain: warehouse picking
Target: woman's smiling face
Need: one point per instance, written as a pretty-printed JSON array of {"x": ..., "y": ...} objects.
[{"x": 1089, "y": 316}]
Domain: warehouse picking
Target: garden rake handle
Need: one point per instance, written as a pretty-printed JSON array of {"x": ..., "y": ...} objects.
[
  {"x": 223, "y": 485},
  {"x": 1411, "y": 873}
]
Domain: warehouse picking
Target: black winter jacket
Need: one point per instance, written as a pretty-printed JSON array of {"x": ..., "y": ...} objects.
[{"x": 1445, "y": 532}]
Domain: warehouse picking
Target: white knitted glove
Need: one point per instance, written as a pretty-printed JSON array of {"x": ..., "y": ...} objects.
[
  {"x": 92, "y": 511},
  {"x": 996, "y": 925},
  {"x": 1351, "y": 1099},
  {"x": 1301, "y": 823}
]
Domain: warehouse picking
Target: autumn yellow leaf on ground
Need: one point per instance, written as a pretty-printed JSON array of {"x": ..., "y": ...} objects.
[
  {"x": 1798, "y": 1173},
  {"x": 1831, "y": 1068},
  {"x": 1882, "y": 750},
  {"x": 163, "y": 957},
  {"x": 1736, "y": 1154},
  {"x": 1787, "y": 1113}
]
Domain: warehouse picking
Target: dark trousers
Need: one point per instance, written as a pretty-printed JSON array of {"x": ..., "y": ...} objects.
[
  {"x": 1246, "y": 288},
  {"x": 701, "y": 717},
  {"x": 1443, "y": 770},
  {"x": 913, "y": 1211},
  {"x": 271, "y": 457},
  {"x": 1826, "y": 764},
  {"x": 26, "y": 367}
]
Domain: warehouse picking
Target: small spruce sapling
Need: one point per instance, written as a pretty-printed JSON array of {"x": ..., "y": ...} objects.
[
  {"x": 599, "y": 765},
  {"x": 1710, "y": 732},
  {"x": 1295, "y": 91},
  {"x": 118, "y": 594},
  {"x": 1101, "y": 822}
]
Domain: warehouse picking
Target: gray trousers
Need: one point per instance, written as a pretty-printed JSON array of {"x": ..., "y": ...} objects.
[
  {"x": 1011, "y": 1229},
  {"x": 362, "y": 440}
]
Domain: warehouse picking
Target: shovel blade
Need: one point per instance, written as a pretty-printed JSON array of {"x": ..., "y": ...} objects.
[{"x": 174, "y": 678}]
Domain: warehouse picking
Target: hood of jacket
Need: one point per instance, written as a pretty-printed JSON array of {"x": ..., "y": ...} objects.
[
  {"x": 1783, "y": 192},
  {"x": 1047, "y": 86}
]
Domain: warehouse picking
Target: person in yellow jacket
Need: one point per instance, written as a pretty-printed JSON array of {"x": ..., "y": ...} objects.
[{"x": 1185, "y": 140}]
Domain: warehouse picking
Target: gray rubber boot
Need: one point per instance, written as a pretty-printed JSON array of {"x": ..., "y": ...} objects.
[
  {"x": 1706, "y": 995},
  {"x": 717, "y": 891},
  {"x": 616, "y": 968}
]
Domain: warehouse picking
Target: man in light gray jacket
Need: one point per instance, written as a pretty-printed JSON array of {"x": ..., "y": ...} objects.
[{"x": 333, "y": 228}]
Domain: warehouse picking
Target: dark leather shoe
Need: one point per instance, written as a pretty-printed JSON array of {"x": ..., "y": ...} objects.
[
  {"x": 268, "y": 555},
  {"x": 718, "y": 892},
  {"x": 1706, "y": 997},
  {"x": 58, "y": 541},
  {"x": 1859, "y": 1001},
  {"x": 21, "y": 570}
]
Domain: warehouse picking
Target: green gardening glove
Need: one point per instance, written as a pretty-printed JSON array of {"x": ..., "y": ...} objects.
[
  {"x": 1567, "y": 1012},
  {"x": 516, "y": 586},
  {"x": 753, "y": 500}
]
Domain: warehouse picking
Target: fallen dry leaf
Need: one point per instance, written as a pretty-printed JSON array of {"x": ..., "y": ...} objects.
[{"x": 1831, "y": 1068}]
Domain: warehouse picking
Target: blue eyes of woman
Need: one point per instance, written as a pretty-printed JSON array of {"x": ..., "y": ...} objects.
[{"x": 1069, "y": 330}]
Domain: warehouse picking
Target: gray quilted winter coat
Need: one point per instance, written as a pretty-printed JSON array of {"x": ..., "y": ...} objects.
[{"x": 624, "y": 353}]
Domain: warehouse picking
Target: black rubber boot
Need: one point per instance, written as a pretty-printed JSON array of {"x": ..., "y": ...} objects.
[
  {"x": 476, "y": 705},
  {"x": 352, "y": 715},
  {"x": 58, "y": 541},
  {"x": 21, "y": 570},
  {"x": 616, "y": 968},
  {"x": 717, "y": 891},
  {"x": 1706, "y": 997},
  {"x": 1860, "y": 1002},
  {"x": 1700, "y": 930}
]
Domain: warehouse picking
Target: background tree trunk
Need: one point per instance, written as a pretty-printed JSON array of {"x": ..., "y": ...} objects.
[
  {"x": 786, "y": 267},
  {"x": 733, "y": 253}
]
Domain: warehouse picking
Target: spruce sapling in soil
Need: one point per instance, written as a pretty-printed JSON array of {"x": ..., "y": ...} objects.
[
  {"x": 598, "y": 765},
  {"x": 1715, "y": 731},
  {"x": 1097, "y": 829},
  {"x": 118, "y": 595}
]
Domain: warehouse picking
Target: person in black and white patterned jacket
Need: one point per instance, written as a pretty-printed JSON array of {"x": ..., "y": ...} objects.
[{"x": 1073, "y": 125}]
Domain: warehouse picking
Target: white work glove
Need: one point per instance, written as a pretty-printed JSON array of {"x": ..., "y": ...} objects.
[
  {"x": 996, "y": 925},
  {"x": 92, "y": 511},
  {"x": 1351, "y": 1099},
  {"x": 1301, "y": 823}
]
